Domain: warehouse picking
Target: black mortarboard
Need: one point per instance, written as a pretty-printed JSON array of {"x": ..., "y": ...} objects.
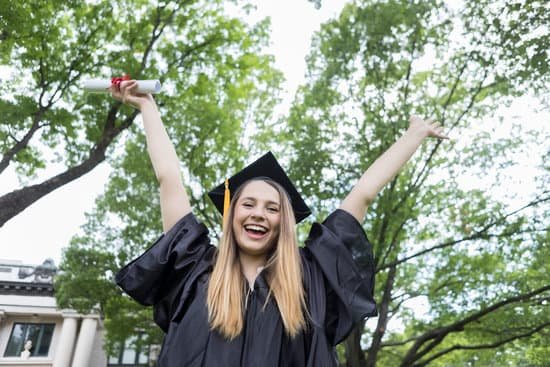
[{"x": 265, "y": 166}]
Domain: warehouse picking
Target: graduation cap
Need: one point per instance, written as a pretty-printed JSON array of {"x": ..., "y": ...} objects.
[{"x": 265, "y": 167}]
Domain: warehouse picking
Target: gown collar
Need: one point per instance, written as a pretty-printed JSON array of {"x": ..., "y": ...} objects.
[{"x": 260, "y": 282}]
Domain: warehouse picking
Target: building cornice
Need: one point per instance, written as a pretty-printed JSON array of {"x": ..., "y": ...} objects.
[{"x": 26, "y": 289}]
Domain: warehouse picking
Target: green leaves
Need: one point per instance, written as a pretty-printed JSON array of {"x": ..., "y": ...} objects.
[{"x": 85, "y": 281}]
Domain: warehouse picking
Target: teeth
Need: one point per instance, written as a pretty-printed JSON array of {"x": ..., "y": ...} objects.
[{"x": 256, "y": 228}]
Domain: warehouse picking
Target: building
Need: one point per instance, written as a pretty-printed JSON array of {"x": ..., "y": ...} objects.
[{"x": 34, "y": 332}]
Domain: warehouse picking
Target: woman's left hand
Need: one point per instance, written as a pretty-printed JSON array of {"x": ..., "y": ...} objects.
[{"x": 427, "y": 128}]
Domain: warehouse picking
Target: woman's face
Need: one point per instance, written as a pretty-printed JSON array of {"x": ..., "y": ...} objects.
[{"x": 257, "y": 218}]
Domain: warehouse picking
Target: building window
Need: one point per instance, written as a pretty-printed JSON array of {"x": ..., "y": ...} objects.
[
  {"x": 132, "y": 352},
  {"x": 39, "y": 334}
]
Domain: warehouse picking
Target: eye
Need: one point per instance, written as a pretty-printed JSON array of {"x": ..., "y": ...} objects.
[
  {"x": 273, "y": 209},
  {"x": 247, "y": 204}
]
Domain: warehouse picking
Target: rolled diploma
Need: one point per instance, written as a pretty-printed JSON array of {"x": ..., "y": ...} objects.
[{"x": 102, "y": 85}]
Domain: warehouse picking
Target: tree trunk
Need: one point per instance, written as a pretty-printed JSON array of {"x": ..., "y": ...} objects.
[
  {"x": 383, "y": 311},
  {"x": 355, "y": 357}
]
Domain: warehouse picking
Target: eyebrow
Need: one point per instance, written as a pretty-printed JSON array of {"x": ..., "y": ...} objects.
[{"x": 254, "y": 199}]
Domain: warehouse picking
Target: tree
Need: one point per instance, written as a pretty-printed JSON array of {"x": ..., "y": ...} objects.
[
  {"x": 457, "y": 250},
  {"x": 49, "y": 47},
  {"x": 219, "y": 86}
]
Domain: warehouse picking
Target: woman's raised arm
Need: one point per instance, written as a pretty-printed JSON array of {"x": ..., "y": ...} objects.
[
  {"x": 174, "y": 202},
  {"x": 384, "y": 169}
]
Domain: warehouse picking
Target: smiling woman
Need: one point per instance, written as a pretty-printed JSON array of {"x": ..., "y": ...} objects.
[
  {"x": 257, "y": 299},
  {"x": 261, "y": 239}
]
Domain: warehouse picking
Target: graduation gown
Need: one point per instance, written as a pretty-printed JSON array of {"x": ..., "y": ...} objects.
[{"x": 172, "y": 276}]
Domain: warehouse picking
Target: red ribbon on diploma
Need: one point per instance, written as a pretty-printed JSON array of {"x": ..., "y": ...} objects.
[{"x": 117, "y": 80}]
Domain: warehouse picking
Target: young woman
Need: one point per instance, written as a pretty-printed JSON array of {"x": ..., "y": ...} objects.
[{"x": 257, "y": 299}]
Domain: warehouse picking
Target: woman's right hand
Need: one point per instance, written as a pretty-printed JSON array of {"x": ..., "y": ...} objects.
[{"x": 127, "y": 93}]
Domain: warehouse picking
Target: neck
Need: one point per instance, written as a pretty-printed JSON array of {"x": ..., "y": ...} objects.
[{"x": 251, "y": 266}]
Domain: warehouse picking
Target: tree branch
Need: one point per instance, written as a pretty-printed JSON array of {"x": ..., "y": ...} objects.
[
  {"x": 382, "y": 319},
  {"x": 16, "y": 201},
  {"x": 385, "y": 223},
  {"x": 393, "y": 241},
  {"x": 43, "y": 108},
  {"x": 405, "y": 114},
  {"x": 425, "y": 170},
  {"x": 482, "y": 346},
  {"x": 398, "y": 343},
  {"x": 24, "y": 142},
  {"x": 435, "y": 336},
  {"x": 76, "y": 61},
  {"x": 477, "y": 235}
]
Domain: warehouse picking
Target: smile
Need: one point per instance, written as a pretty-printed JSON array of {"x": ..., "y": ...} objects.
[{"x": 255, "y": 230}]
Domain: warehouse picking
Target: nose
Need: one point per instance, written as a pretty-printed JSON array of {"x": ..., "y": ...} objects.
[{"x": 258, "y": 213}]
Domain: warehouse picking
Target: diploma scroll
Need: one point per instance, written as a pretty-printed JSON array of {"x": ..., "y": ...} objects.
[{"x": 102, "y": 85}]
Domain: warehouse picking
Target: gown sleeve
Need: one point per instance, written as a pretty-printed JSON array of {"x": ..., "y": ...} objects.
[
  {"x": 340, "y": 248},
  {"x": 168, "y": 268}
]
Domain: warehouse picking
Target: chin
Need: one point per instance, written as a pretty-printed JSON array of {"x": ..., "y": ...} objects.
[{"x": 254, "y": 249}]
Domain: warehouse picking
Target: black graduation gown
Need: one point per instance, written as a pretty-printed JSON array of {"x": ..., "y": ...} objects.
[{"x": 172, "y": 276}]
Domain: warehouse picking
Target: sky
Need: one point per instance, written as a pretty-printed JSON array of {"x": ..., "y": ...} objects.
[{"x": 43, "y": 229}]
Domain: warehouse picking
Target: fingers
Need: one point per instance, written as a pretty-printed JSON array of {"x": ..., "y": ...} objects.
[
  {"x": 118, "y": 89},
  {"x": 127, "y": 87},
  {"x": 129, "y": 95},
  {"x": 438, "y": 131},
  {"x": 115, "y": 93},
  {"x": 435, "y": 128},
  {"x": 415, "y": 119},
  {"x": 124, "y": 91}
]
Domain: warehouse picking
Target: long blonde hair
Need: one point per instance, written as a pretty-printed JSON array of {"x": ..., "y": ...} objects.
[{"x": 226, "y": 299}]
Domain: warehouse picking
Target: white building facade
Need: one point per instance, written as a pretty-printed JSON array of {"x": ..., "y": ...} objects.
[{"x": 34, "y": 332}]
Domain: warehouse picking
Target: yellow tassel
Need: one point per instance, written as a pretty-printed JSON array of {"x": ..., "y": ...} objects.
[{"x": 226, "y": 200}]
